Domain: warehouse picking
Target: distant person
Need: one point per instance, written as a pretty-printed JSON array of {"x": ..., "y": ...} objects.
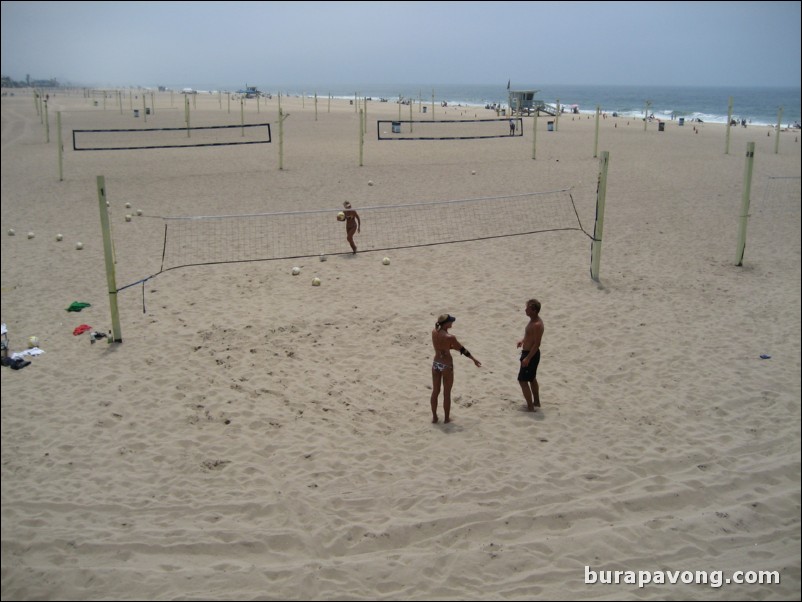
[
  {"x": 353, "y": 224},
  {"x": 512, "y": 127},
  {"x": 443, "y": 364},
  {"x": 530, "y": 355}
]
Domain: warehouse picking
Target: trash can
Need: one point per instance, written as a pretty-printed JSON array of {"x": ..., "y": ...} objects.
[
  {"x": 550, "y": 126},
  {"x": 682, "y": 121},
  {"x": 147, "y": 110},
  {"x": 95, "y": 103},
  {"x": 424, "y": 109},
  {"x": 396, "y": 127},
  {"x": 136, "y": 112},
  {"x": 661, "y": 127}
]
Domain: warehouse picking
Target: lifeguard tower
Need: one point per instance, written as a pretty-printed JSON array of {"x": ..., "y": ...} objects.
[{"x": 523, "y": 102}]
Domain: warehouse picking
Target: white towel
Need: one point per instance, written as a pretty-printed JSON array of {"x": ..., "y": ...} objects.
[{"x": 31, "y": 351}]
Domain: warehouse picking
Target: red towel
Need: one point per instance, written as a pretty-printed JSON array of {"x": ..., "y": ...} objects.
[{"x": 81, "y": 329}]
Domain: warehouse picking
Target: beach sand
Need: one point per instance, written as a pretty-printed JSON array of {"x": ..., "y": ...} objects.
[{"x": 255, "y": 437}]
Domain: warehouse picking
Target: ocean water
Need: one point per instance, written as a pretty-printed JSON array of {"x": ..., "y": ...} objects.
[{"x": 758, "y": 105}]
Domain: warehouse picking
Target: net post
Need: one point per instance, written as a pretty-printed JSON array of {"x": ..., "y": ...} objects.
[
  {"x": 777, "y": 138},
  {"x": 750, "y": 160},
  {"x": 108, "y": 253},
  {"x": 242, "y": 116},
  {"x": 595, "y": 246},
  {"x": 596, "y": 141},
  {"x": 534, "y": 134},
  {"x": 729, "y": 121},
  {"x": 47, "y": 123},
  {"x": 280, "y": 138},
  {"x": 361, "y": 138},
  {"x": 60, "y": 148}
]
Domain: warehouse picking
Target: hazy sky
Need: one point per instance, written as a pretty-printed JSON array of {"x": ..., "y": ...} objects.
[{"x": 530, "y": 43}]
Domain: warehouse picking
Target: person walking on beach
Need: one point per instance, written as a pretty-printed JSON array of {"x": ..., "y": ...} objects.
[
  {"x": 530, "y": 355},
  {"x": 353, "y": 224},
  {"x": 443, "y": 364},
  {"x": 512, "y": 127}
]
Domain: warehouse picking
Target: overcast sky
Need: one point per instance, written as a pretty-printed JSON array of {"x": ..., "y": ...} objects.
[{"x": 533, "y": 43}]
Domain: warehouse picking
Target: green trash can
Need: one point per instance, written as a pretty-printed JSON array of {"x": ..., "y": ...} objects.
[
  {"x": 550, "y": 126},
  {"x": 661, "y": 127},
  {"x": 396, "y": 127}
]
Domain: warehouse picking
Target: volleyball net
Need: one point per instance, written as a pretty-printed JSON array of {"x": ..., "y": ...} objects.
[
  {"x": 209, "y": 240},
  {"x": 179, "y": 137},
  {"x": 449, "y": 129}
]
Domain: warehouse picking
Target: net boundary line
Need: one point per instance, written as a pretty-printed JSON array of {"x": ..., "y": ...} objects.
[{"x": 178, "y": 129}]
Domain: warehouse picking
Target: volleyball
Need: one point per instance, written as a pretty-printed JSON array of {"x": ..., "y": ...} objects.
[
  {"x": 33, "y": 342},
  {"x": 139, "y": 212},
  {"x": 316, "y": 282},
  {"x": 341, "y": 217},
  {"x": 128, "y": 217},
  {"x": 11, "y": 232},
  {"x": 79, "y": 245},
  {"x": 322, "y": 257},
  {"x": 473, "y": 172},
  {"x": 386, "y": 261},
  {"x": 128, "y": 205},
  {"x": 370, "y": 182},
  {"x": 59, "y": 237},
  {"x": 30, "y": 234},
  {"x": 296, "y": 271}
]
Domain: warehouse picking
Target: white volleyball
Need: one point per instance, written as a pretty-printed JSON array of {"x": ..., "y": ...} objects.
[
  {"x": 139, "y": 212},
  {"x": 79, "y": 245},
  {"x": 33, "y": 342},
  {"x": 128, "y": 217},
  {"x": 473, "y": 172},
  {"x": 370, "y": 182},
  {"x": 31, "y": 234},
  {"x": 322, "y": 257},
  {"x": 296, "y": 270},
  {"x": 59, "y": 237},
  {"x": 128, "y": 205},
  {"x": 11, "y": 232},
  {"x": 315, "y": 281},
  {"x": 386, "y": 261}
]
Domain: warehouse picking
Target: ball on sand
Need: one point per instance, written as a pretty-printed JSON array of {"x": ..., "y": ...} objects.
[
  {"x": 370, "y": 182},
  {"x": 341, "y": 217},
  {"x": 473, "y": 172},
  {"x": 322, "y": 257},
  {"x": 128, "y": 217},
  {"x": 31, "y": 234},
  {"x": 11, "y": 232},
  {"x": 296, "y": 271},
  {"x": 139, "y": 212},
  {"x": 128, "y": 205},
  {"x": 79, "y": 245},
  {"x": 386, "y": 261},
  {"x": 33, "y": 342},
  {"x": 315, "y": 281},
  {"x": 59, "y": 237}
]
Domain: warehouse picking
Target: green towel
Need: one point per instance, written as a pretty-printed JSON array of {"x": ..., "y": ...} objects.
[{"x": 78, "y": 306}]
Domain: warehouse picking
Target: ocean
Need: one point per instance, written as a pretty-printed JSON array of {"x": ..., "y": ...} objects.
[{"x": 758, "y": 105}]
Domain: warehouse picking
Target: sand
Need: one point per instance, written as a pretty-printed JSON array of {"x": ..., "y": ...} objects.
[{"x": 255, "y": 437}]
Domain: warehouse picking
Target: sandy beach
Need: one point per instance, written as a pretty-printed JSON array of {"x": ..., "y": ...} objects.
[{"x": 257, "y": 437}]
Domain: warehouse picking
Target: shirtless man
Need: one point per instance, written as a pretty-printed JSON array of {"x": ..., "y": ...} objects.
[
  {"x": 530, "y": 355},
  {"x": 352, "y": 224},
  {"x": 443, "y": 364}
]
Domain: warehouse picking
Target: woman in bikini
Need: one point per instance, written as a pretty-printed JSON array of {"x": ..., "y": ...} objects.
[
  {"x": 443, "y": 364},
  {"x": 352, "y": 224}
]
